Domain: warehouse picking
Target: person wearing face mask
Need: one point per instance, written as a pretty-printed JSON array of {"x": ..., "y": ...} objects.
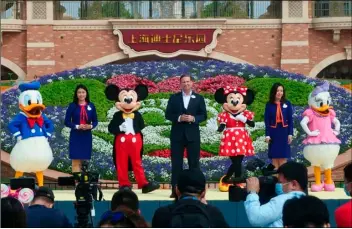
[
  {"x": 343, "y": 214},
  {"x": 292, "y": 182}
]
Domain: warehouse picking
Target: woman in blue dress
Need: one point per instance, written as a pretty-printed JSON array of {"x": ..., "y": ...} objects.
[
  {"x": 278, "y": 125},
  {"x": 81, "y": 117}
]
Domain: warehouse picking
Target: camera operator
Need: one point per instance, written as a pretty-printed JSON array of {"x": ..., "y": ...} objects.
[
  {"x": 86, "y": 190},
  {"x": 41, "y": 213},
  {"x": 292, "y": 182}
]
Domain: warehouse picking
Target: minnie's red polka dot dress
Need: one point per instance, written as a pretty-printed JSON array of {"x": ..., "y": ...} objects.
[{"x": 235, "y": 139}]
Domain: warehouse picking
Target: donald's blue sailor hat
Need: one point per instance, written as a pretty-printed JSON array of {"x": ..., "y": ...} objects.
[{"x": 29, "y": 86}]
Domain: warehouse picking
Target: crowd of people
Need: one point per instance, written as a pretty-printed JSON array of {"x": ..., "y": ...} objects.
[{"x": 293, "y": 208}]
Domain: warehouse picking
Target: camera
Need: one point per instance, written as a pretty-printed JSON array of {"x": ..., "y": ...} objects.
[
  {"x": 85, "y": 192},
  {"x": 267, "y": 183},
  {"x": 22, "y": 182}
]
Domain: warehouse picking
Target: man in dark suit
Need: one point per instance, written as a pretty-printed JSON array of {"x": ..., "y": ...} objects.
[{"x": 185, "y": 110}]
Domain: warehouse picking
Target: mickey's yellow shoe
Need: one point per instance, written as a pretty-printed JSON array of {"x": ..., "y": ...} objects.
[{"x": 223, "y": 187}]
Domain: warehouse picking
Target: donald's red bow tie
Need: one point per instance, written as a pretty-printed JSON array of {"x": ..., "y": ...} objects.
[{"x": 32, "y": 121}]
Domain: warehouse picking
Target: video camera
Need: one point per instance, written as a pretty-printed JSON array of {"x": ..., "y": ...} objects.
[
  {"x": 267, "y": 183},
  {"x": 86, "y": 192},
  {"x": 22, "y": 182}
]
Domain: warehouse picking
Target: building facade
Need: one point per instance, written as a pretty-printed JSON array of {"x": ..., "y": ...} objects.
[{"x": 308, "y": 37}]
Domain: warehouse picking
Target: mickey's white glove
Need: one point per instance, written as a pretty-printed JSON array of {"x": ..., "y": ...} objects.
[
  {"x": 19, "y": 138},
  {"x": 123, "y": 127},
  {"x": 241, "y": 118},
  {"x": 314, "y": 133}
]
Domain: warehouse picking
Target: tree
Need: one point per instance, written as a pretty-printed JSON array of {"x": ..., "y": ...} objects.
[
  {"x": 228, "y": 9},
  {"x": 104, "y": 9}
]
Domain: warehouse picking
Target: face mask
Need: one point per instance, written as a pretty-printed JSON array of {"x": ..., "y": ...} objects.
[
  {"x": 345, "y": 189},
  {"x": 278, "y": 189}
]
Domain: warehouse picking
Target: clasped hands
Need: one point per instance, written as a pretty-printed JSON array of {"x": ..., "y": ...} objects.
[
  {"x": 187, "y": 118},
  {"x": 85, "y": 127}
]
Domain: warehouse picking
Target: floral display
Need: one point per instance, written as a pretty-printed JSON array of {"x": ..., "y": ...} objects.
[
  {"x": 210, "y": 85},
  {"x": 166, "y": 153},
  {"x": 162, "y": 78},
  {"x": 131, "y": 81}
]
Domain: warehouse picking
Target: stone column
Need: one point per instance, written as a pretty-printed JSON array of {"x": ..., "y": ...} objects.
[
  {"x": 295, "y": 37},
  {"x": 40, "y": 39}
]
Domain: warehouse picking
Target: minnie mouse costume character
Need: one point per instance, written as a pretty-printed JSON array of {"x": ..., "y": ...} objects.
[
  {"x": 236, "y": 142},
  {"x": 127, "y": 125}
]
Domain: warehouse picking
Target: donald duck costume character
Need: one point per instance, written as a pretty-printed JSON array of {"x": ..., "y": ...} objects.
[
  {"x": 31, "y": 128},
  {"x": 321, "y": 145}
]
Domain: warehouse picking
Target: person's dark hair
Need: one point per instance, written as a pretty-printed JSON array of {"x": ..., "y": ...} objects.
[
  {"x": 123, "y": 217},
  {"x": 185, "y": 75},
  {"x": 12, "y": 213},
  {"x": 273, "y": 93},
  {"x": 295, "y": 171},
  {"x": 75, "y": 97},
  {"x": 348, "y": 172},
  {"x": 43, "y": 198},
  {"x": 307, "y": 211},
  {"x": 125, "y": 198}
]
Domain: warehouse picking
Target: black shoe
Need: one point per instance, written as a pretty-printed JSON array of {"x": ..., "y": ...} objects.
[
  {"x": 127, "y": 188},
  {"x": 227, "y": 180},
  {"x": 151, "y": 186}
]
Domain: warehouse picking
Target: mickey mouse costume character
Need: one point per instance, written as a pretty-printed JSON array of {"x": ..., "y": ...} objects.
[
  {"x": 31, "y": 128},
  {"x": 127, "y": 125},
  {"x": 236, "y": 142}
]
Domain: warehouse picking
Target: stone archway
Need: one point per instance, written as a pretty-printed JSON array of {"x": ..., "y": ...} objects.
[
  {"x": 326, "y": 62},
  {"x": 13, "y": 67},
  {"x": 120, "y": 56}
]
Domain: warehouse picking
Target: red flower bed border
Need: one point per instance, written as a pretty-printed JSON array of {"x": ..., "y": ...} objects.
[
  {"x": 172, "y": 84},
  {"x": 166, "y": 153}
]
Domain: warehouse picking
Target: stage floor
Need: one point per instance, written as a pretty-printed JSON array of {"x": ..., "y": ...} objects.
[{"x": 163, "y": 194}]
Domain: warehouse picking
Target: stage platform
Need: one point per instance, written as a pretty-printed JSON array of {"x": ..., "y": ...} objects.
[
  {"x": 163, "y": 195},
  {"x": 233, "y": 212}
]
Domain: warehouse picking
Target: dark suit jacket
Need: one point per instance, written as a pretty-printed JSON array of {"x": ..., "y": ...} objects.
[
  {"x": 270, "y": 116},
  {"x": 175, "y": 108}
]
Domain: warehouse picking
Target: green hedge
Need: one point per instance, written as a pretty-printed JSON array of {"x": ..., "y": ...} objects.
[
  {"x": 296, "y": 92},
  {"x": 60, "y": 93}
]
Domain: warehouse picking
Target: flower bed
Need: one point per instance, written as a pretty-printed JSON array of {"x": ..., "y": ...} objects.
[
  {"x": 166, "y": 153},
  {"x": 131, "y": 81},
  {"x": 162, "y": 77}
]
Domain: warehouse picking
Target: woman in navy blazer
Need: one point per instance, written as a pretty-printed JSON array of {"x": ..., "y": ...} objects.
[
  {"x": 278, "y": 125},
  {"x": 81, "y": 117}
]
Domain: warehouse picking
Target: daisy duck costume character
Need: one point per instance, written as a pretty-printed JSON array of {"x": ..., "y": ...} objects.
[
  {"x": 127, "y": 124},
  {"x": 236, "y": 142},
  {"x": 32, "y": 152},
  {"x": 321, "y": 145}
]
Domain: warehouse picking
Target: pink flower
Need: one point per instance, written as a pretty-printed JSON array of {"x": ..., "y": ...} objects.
[
  {"x": 210, "y": 85},
  {"x": 131, "y": 81},
  {"x": 166, "y": 153},
  {"x": 171, "y": 84}
]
